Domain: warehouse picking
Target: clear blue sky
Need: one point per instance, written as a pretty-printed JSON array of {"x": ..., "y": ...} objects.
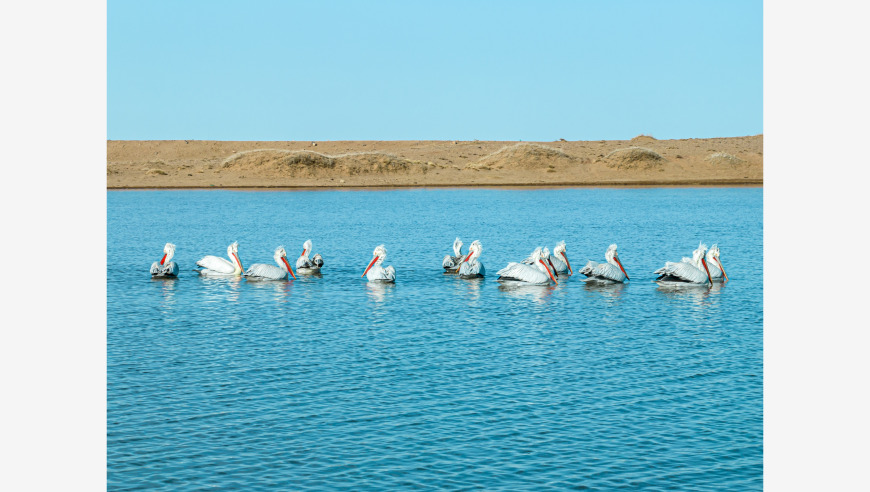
[{"x": 437, "y": 70}]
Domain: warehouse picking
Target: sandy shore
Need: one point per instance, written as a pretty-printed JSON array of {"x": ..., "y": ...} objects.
[{"x": 640, "y": 161}]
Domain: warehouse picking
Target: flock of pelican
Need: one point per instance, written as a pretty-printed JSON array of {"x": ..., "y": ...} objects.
[{"x": 539, "y": 268}]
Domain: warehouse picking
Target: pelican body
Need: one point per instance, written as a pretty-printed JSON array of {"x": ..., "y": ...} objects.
[
  {"x": 688, "y": 271},
  {"x": 306, "y": 265},
  {"x": 538, "y": 272},
  {"x": 609, "y": 272},
  {"x": 471, "y": 267},
  {"x": 261, "y": 271},
  {"x": 451, "y": 263},
  {"x": 214, "y": 266},
  {"x": 165, "y": 267},
  {"x": 375, "y": 272}
]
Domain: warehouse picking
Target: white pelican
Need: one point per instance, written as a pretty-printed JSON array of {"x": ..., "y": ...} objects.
[
  {"x": 375, "y": 272},
  {"x": 165, "y": 267},
  {"x": 214, "y": 266},
  {"x": 451, "y": 263},
  {"x": 545, "y": 255},
  {"x": 261, "y": 271},
  {"x": 694, "y": 271},
  {"x": 538, "y": 274},
  {"x": 559, "y": 260},
  {"x": 470, "y": 266},
  {"x": 609, "y": 272},
  {"x": 305, "y": 265}
]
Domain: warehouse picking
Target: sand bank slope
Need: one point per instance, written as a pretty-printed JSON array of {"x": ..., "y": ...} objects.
[{"x": 225, "y": 164}]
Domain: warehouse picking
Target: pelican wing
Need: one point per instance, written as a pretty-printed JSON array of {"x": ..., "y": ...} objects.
[
  {"x": 681, "y": 272},
  {"x": 260, "y": 270},
  {"x": 450, "y": 262},
  {"x": 472, "y": 269},
  {"x": 317, "y": 260},
  {"x": 156, "y": 268},
  {"x": 602, "y": 271},
  {"x": 170, "y": 269},
  {"x": 304, "y": 262},
  {"x": 216, "y": 264},
  {"x": 390, "y": 273},
  {"x": 523, "y": 273}
]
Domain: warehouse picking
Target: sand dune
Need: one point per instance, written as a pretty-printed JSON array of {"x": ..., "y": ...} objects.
[{"x": 639, "y": 161}]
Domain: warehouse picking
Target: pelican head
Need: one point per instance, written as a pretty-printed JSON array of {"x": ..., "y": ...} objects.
[
  {"x": 281, "y": 259},
  {"x": 713, "y": 255},
  {"x": 233, "y": 252},
  {"x": 379, "y": 254},
  {"x": 457, "y": 247},
  {"x": 699, "y": 253},
  {"x": 474, "y": 250},
  {"x": 560, "y": 251},
  {"x": 306, "y": 248},
  {"x": 613, "y": 258},
  {"x": 168, "y": 252}
]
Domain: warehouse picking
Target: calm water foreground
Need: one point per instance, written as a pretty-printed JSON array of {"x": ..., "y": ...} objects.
[{"x": 435, "y": 382}]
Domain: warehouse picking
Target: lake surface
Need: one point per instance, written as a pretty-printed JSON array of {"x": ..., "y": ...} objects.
[{"x": 332, "y": 383}]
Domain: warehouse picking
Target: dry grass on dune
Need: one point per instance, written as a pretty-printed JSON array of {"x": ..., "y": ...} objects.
[
  {"x": 644, "y": 139},
  {"x": 634, "y": 158},
  {"x": 524, "y": 156},
  {"x": 297, "y": 163},
  {"x": 723, "y": 158}
]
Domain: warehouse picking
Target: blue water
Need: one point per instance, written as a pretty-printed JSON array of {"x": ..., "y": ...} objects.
[{"x": 435, "y": 382}]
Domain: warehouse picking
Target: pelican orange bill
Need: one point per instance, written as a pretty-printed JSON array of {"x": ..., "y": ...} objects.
[
  {"x": 620, "y": 267},
  {"x": 569, "y": 263},
  {"x": 288, "y": 266},
  {"x": 303, "y": 252},
  {"x": 164, "y": 259},
  {"x": 704, "y": 262},
  {"x": 721, "y": 268},
  {"x": 370, "y": 265},
  {"x": 238, "y": 261},
  {"x": 548, "y": 271}
]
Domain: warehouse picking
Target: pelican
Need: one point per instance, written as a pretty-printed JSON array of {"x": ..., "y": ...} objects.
[
  {"x": 606, "y": 272},
  {"x": 305, "y": 265},
  {"x": 164, "y": 267},
  {"x": 470, "y": 266},
  {"x": 261, "y": 271},
  {"x": 559, "y": 260},
  {"x": 219, "y": 267},
  {"x": 538, "y": 274},
  {"x": 694, "y": 271},
  {"x": 451, "y": 263},
  {"x": 545, "y": 255},
  {"x": 375, "y": 272}
]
